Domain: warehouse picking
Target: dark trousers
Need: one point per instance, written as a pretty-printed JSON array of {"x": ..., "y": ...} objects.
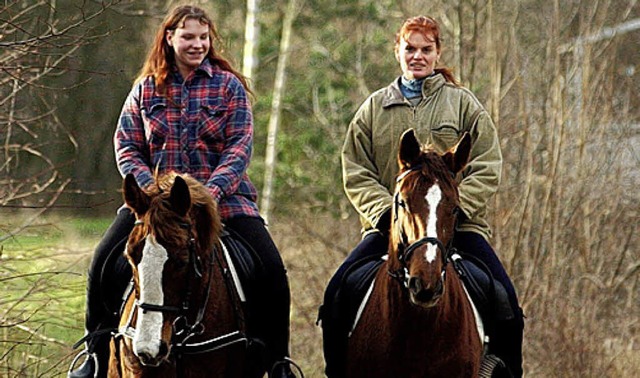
[
  {"x": 107, "y": 279},
  {"x": 109, "y": 270},
  {"x": 271, "y": 302},
  {"x": 508, "y": 344},
  {"x": 334, "y": 328}
]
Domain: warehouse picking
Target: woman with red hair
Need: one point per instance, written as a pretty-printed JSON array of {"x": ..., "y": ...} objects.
[{"x": 427, "y": 98}]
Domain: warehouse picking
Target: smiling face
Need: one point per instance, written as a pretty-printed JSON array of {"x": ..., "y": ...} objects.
[
  {"x": 190, "y": 43},
  {"x": 417, "y": 54}
]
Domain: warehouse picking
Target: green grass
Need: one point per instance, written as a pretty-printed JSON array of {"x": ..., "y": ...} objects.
[{"x": 42, "y": 286}]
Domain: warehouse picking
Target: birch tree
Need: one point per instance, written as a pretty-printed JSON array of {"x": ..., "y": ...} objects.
[
  {"x": 251, "y": 38},
  {"x": 276, "y": 107}
]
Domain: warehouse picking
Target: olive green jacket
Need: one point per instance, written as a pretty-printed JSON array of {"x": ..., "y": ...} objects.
[{"x": 370, "y": 150}]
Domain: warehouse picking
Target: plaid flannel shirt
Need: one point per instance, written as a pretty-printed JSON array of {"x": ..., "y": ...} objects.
[{"x": 206, "y": 132}]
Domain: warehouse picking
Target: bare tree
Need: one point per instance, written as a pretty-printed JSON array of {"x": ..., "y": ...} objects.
[
  {"x": 37, "y": 42},
  {"x": 276, "y": 106}
]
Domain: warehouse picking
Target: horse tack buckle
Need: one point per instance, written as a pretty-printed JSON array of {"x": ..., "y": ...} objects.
[
  {"x": 197, "y": 329},
  {"x": 180, "y": 325}
]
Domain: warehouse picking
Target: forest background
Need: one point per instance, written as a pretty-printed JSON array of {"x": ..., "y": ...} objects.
[{"x": 559, "y": 77}]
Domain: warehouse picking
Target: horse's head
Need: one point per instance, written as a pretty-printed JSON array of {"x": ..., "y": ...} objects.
[
  {"x": 176, "y": 227},
  {"x": 424, "y": 215}
]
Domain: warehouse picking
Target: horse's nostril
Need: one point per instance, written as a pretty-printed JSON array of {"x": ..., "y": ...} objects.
[
  {"x": 145, "y": 358},
  {"x": 420, "y": 292},
  {"x": 415, "y": 285},
  {"x": 439, "y": 287},
  {"x": 424, "y": 295}
]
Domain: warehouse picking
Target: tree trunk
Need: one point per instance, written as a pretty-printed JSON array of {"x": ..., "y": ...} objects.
[
  {"x": 276, "y": 107},
  {"x": 251, "y": 38}
]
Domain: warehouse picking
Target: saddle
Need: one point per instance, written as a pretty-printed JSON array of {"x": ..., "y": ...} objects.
[
  {"x": 488, "y": 295},
  {"x": 246, "y": 269},
  {"x": 245, "y": 263}
]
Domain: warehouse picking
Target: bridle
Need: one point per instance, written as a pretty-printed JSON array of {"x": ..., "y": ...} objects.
[
  {"x": 406, "y": 249},
  {"x": 181, "y": 325}
]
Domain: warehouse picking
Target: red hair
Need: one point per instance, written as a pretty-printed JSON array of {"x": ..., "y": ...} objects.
[
  {"x": 160, "y": 58},
  {"x": 430, "y": 29}
]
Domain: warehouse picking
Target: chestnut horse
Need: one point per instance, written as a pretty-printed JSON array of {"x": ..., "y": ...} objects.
[
  {"x": 183, "y": 318},
  {"x": 418, "y": 321}
]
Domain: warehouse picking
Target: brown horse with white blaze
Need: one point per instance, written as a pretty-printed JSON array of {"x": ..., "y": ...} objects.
[
  {"x": 418, "y": 321},
  {"x": 182, "y": 318}
]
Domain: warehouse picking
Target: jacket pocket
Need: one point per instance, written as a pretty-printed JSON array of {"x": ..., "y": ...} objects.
[
  {"x": 211, "y": 123},
  {"x": 156, "y": 127},
  {"x": 445, "y": 135}
]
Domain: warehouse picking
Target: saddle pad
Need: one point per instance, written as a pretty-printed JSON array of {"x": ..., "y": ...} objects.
[
  {"x": 479, "y": 324},
  {"x": 362, "y": 305},
  {"x": 234, "y": 272},
  {"x": 488, "y": 294}
]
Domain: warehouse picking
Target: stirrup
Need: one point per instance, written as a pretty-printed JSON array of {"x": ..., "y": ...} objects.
[
  {"x": 290, "y": 362},
  {"x": 491, "y": 363},
  {"x": 89, "y": 355}
]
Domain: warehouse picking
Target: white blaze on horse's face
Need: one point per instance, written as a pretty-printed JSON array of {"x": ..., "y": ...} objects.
[
  {"x": 433, "y": 197},
  {"x": 149, "y": 325}
]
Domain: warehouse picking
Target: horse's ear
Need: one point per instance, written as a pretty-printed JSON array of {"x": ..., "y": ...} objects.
[
  {"x": 135, "y": 197},
  {"x": 457, "y": 156},
  {"x": 180, "y": 198},
  {"x": 410, "y": 150}
]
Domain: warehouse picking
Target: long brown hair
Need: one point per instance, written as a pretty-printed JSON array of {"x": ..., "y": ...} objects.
[
  {"x": 161, "y": 56},
  {"x": 428, "y": 27}
]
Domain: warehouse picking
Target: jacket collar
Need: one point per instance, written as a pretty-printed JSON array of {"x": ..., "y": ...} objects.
[
  {"x": 393, "y": 95},
  {"x": 207, "y": 67}
]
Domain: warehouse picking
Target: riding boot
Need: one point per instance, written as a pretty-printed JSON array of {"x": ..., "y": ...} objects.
[
  {"x": 507, "y": 344},
  {"x": 334, "y": 339},
  {"x": 278, "y": 340}
]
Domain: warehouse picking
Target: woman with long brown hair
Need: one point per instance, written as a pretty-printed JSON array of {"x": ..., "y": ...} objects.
[{"x": 188, "y": 112}]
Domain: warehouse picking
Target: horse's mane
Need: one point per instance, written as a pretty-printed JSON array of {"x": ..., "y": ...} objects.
[{"x": 203, "y": 213}]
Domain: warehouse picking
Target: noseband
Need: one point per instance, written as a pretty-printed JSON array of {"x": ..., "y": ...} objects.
[{"x": 406, "y": 249}]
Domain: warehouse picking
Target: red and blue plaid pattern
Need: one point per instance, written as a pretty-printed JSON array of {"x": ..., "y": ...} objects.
[{"x": 203, "y": 127}]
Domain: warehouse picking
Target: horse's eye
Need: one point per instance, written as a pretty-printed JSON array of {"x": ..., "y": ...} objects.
[
  {"x": 180, "y": 260},
  {"x": 181, "y": 263}
]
